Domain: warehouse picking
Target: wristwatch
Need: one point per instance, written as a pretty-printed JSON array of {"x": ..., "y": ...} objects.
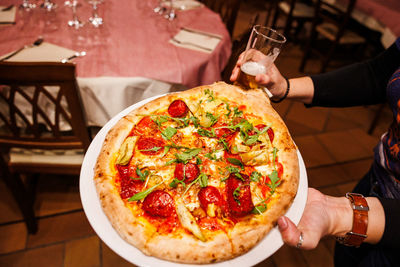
[{"x": 360, "y": 221}]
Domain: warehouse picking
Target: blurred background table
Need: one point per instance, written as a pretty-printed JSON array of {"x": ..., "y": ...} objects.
[{"x": 129, "y": 57}]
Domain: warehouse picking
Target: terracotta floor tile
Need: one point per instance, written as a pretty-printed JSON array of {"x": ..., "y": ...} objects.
[
  {"x": 282, "y": 108},
  {"x": 111, "y": 259},
  {"x": 298, "y": 129},
  {"x": 82, "y": 252},
  {"x": 331, "y": 191},
  {"x": 287, "y": 256},
  {"x": 40, "y": 257},
  {"x": 320, "y": 256},
  {"x": 13, "y": 237},
  {"x": 9, "y": 210},
  {"x": 56, "y": 194},
  {"x": 325, "y": 176},
  {"x": 359, "y": 116},
  {"x": 313, "y": 153},
  {"x": 357, "y": 169},
  {"x": 366, "y": 140},
  {"x": 343, "y": 146},
  {"x": 314, "y": 118},
  {"x": 61, "y": 228},
  {"x": 266, "y": 263},
  {"x": 335, "y": 124}
]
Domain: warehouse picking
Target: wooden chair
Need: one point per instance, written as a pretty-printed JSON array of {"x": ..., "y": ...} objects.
[
  {"x": 228, "y": 10},
  {"x": 42, "y": 126},
  {"x": 330, "y": 23},
  {"x": 295, "y": 11}
]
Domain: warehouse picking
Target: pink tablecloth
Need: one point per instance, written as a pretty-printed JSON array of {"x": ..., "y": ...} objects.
[{"x": 133, "y": 42}]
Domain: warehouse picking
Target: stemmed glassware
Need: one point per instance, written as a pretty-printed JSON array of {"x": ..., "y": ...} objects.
[
  {"x": 48, "y": 5},
  {"x": 75, "y": 22},
  {"x": 27, "y": 5},
  {"x": 166, "y": 6},
  {"x": 95, "y": 19}
]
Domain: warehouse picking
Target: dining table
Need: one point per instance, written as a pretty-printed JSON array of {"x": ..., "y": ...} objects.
[
  {"x": 131, "y": 56},
  {"x": 379, "y": 15}
]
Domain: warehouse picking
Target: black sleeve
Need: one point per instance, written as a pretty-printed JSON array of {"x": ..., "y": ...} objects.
[
  {"x": 391, "y": 235},
  {"x": 357, "y": 84}
]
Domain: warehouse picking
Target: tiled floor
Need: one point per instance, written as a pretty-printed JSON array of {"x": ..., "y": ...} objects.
[{"x": 333, "y": 142}]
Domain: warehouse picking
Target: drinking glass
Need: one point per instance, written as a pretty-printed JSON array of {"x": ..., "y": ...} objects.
[
  {"x": 95, "y": 19},
  {"x": 171, "y": 15},
  {"x": 75, "y": 22},
  {"x": 263, "y": 47},
  {"x": 27, "y": 5},
  {"x": 48, "y": 5}
]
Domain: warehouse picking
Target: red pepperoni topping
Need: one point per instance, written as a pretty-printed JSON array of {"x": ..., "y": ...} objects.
[
  {"x": 178, "y": 109},
  {"x": 279, "y": 167},
  {"x": 159, "y": 203},
  {"x": 150, "y": 145},
  {"x": 208, "y": 195},
  {"x": 261, "y": 127},
  {"x": 229, "y": 155},
  {"x": 129, "y": 186},
  {"x": 186, "y": 172},
  {"x": 239, "y": 195},
  {"x": 145, "y": 126}
]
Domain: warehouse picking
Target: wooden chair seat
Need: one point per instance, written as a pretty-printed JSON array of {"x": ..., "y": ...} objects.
[
  {"x": 330, "y": 31},
  {"x": 300, "y": 10}
]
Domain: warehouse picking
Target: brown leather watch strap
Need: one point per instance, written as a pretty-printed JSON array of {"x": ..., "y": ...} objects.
[{"x": 360, "y": 221}]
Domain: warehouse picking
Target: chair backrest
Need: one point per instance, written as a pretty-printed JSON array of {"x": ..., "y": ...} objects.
[
  {"x": 339, "y": 16},
  {"x": 40, "y": 107},
  {"x": 228, "y": 10}
]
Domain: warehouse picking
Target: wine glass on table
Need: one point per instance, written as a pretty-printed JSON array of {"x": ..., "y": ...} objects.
[
  {"x": 263, "y": 47},
  {"x": 48, "y": 5},
  {"x": 95, "y": 19},
  {"x": 27, "y": 5},
  {"x": 74, "y": 22}
]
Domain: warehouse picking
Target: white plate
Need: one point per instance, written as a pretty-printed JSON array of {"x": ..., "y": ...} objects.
[{"x": 102, "y": 226}]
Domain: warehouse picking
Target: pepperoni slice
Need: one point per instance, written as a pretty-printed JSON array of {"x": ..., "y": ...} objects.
[
  {"x": 129, "y": 186},
  {"x": 150, "y": 145},
  {"x": 159, "y": 203},
  {"x": 270, "y": 132},
  {"x": 223, "y": 132},
  {"x": 239, "y": 195},
  {"x": 186, "y": 172},
  {"x": 279, "y": 169},
  {"x": 208, "y": 195},
  {"x": 145, "y": 126},
  {"x": 178, "y": 109}
]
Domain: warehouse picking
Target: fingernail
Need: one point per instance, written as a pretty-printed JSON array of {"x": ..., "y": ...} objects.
[{"x": 282, "y": 224}]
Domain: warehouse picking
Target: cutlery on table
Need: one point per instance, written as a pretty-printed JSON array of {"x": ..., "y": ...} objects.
[
  {"x": 201, "y": 33},
  {"x": 35, "y": 43},
  {"x": 77, "y": 54},
  {"x": 192, "y": 44},
  {"x": 7, "y": 8}
]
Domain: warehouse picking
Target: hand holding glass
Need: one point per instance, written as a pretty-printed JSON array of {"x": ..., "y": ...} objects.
[{"x": 262, "y": 49}]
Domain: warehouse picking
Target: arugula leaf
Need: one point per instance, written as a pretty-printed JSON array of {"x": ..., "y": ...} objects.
[
  {"x": 170, "y": 162},
  {"x": 175, "y": 183},
  {"x": 212, "y": 118},
  {"x": 227, "y": 109},
  {"x": 234, "y": 170},
  {"x": 236, "y": 194},
  {"x": 156, "y": 148},
  {"x": 259, "y": 209},
  {"x": 160, "y": 119},
  {"x": 168, "y": 133},
  {"x": 187, "y": 154},
  {"x": 255, "y": 176},
  {"x": 195, "y": 121},
  {"x": 142, "y": 175},
  {"x": 224, "y": 143},
  {"x": 210, "y": 95},
  {"x": 198, "y": 160},
  {"x": 206, "y": 133},
  {"x": 252, "y": 139},
  {"x": 144, "y": 193},
  {"x": 203, "y": 179},
  {"x": 274, "y": 181},
  {"x": 236, "y": 162},
  {"x": 237, "y": 112},
  {"x": 274, "y": 152}
]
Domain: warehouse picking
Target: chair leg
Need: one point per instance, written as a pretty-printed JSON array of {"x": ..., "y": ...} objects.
[{"x": 23, "y": 199}]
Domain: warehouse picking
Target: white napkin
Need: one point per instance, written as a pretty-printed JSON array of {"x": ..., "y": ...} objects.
[
  {"x": 8, "y": 15},
  {"x": 184, "y": 4},
  {"x": 41, "y": 53},
  {"x": 196, "y": 40}
]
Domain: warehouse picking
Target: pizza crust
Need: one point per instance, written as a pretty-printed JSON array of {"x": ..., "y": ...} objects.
[{"x": 186, "y": 248}]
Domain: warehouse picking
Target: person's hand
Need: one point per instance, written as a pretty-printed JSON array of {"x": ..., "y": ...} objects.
[
  {"x": 272, "y": 80},
  {"x": 314, "y": 224}
]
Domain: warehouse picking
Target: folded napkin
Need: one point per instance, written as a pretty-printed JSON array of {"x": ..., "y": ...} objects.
[
  {"x": 7, "y": 16},
  {"x": 196, "y": 40},
  {"x": 184, "y": 4},
  {"x": 43, "y": 52}
]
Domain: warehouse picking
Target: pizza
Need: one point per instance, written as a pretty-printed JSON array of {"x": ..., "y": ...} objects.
[{"x": 198, "y": 176}]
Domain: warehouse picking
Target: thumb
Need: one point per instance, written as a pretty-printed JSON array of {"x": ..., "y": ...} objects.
[{"x": 290, "y": 233}]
